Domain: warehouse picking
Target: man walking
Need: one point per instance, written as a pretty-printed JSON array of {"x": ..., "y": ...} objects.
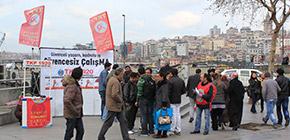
[
  {"x": 115, "y": 106},
  {"x": 73, "y": 105},
  {"x": 236, "y": 93},
  {"x": 102, "y": 87},
  {"x": 176, "y": 90},
  {"x": 130, "y": 98},
  {"x": 145, "y": 99},
  {"x": 270, "y": 89},
  {"x": 192, "y": 83}
]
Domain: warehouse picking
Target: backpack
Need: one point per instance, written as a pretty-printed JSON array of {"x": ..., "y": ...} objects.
[{"x": 149, "y": 89}]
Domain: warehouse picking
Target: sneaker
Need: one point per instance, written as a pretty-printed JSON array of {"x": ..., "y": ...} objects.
[
  {"x": 170, "y": 133},
  {"x": 191, "y": 120},
  {"x": 275, "y": 126},
  {"x": 205, "y": 133},
  {"x": 265, "y": 120},
  {"x": 130, "y": 132},
  {"x": 235, "y": 128},
  {"x": 287, "y": 123},
  {"x": 195, "y": 132}
]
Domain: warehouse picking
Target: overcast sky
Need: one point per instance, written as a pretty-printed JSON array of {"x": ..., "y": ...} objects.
[{"x": 67, "y": 21}]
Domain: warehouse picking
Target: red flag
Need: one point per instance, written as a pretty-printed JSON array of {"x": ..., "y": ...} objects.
[
  {"x": 102, "y": 33},
  {"x": 31, "y": 30}
]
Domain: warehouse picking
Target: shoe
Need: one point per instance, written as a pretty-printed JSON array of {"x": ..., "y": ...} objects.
[
  {"x": 215, "y": 129},
  {"x": 171, "y": 133},
  {"x": 235, "y": 128},
  {"x": 195, "y": 132},
  {"x": 262, "y": 111},
  {"x": 131, "y": 139},
  {"x": 191, "y": 120},
  {"x": 177, "y": 133},
  {"x": 265, "y": 120},
  {"x": 130, "y": 132},
  {"x": 205, "y": 133},
  {"x": 156, "y": 136},
  {"x": 287, "y": 123},
  {"x": 164, "y": 136},
  {"x": 275, "y": 126},
  {"x": 254, "y": 111}
]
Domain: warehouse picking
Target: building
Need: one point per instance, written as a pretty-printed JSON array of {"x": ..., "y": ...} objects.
[
  {"x": 267, "y": 23},
  {"x": 215, "y": 31}
]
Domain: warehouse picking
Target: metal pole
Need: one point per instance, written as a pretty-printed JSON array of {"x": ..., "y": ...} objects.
[
  {"x": 283, "y": 47},
  {"x": 124, "y": 39}
]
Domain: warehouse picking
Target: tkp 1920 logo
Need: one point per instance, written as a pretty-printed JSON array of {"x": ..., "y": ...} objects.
[
  {"x": 34, "y": 19},
  {"x": 101, "y": 27}
]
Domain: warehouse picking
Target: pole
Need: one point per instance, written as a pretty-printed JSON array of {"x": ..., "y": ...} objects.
[
  {"x": 124, "y": 38},
  {"x": 283, "y": 47}
]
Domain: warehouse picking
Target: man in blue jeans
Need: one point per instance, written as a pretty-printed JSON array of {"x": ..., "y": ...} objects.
[
  {"x": 283, "y": 97},
  {"x": 102, "y": 86},
  {"x": 270, "y": 89}
]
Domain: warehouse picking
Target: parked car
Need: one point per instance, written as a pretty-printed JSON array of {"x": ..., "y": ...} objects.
[{"x": 244, "y": 74}]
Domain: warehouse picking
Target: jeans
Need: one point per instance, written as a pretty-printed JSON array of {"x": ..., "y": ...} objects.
[
  {"x": 282, "y": 104},
  {"x": 270, "y": 107},
  {"x": 131, "y": 112},
  {"x": 198, "y": 119},
  {"x": 255, "y": 99},
  {"x": 105, "y": 113},
  {"x": 191, "y": 109},
  {"x": 109, "y": 122},
  {"x": 176, "y": 119},
  {"x": 103, "y": 101},
  {"x": 71, "y": 124},
  {"x": 146, "y": 110}
]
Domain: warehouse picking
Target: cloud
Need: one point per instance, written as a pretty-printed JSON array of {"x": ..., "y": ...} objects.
[
  {"x": 181, "y": 20},
  {"x": 4, "y": 10},
  {"x": 80, "y": 12}
]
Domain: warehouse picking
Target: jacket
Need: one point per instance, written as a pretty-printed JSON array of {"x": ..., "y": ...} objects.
[
  {"x": 141, "y": 89},
  {"x": 192, "y": 84},
  {"x": 130, "y": 93},
  {"x": 103, "y": 80},
  {"x": 162, "y": 113},
  {"x": 236, "y": 91},
  {"x": 220, "y": 97},
  {"x": 270, "y": 89},
  {"x": 283, "y": 83},
  {"x": 162, "y": 93},
  {"x": 255, "y": 87},
  {"x": 114, "y": 100},
  {"x": 72, "y": 99},
  {"x": 176, "y": 90}
]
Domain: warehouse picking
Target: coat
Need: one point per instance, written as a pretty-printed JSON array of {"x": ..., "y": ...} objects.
[
  {"x": 236, "y": 93},
  {"x": 114, "y": 100},
  {"x": 72, "y": 99},
  {"x": 220, "y": 97},
  {"x": 270, "y": 90},
  {"x": 283, "y": 83},
  {"x": 103, "y": 80},
  {"x": 192, "y": 83},
  {"x": 255, "y": 87},
  {"x": 162, "y": 93},
  {"x": 163, "y": 112},
  {"x": 176, "y": 90},
  {"x": 130, "y": 93}
]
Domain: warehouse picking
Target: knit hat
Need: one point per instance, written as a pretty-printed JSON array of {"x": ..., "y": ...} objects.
[{"x": 77, "y": 73}]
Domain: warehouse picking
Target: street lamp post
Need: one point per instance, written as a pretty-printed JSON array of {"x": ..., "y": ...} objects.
[{"x": 124, "y": 38}]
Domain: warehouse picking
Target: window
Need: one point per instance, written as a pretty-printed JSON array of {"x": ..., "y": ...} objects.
[
  {"x": 229, "y": 73},
  {"x": 245, "y": 73}
]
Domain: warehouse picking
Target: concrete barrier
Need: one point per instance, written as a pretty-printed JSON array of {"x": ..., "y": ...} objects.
[{"x": 9, "y": 94}]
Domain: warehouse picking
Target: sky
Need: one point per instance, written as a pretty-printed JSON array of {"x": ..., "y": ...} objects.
[{"x": 66, "y": 22}]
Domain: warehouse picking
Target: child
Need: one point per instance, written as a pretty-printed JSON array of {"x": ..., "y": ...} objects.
[{"x": 161, "y": 126}]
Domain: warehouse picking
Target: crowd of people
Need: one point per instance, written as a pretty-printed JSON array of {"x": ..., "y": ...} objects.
[{"x": 158, "y": 98}]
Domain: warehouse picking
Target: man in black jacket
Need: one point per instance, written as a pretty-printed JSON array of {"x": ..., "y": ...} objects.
[
  {"x": 283, "y": 95},
  {"x": 130, "y": 98},
  {"x": 192, "y": 83},
  {"x": 176, "y": 90},
  {"x": 236, "y": 93}
]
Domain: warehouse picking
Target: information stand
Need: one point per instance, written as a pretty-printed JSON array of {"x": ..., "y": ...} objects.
[{"x": 36, "y": 111}]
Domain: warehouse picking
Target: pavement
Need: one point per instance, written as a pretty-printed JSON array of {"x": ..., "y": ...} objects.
[{"x": 93, "y": 124}]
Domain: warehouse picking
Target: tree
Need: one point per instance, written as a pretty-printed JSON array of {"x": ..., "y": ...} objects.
[{"x": 279, "y": 11}]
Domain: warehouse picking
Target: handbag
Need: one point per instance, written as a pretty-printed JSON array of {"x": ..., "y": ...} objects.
[{"x": 163, "y": 120}]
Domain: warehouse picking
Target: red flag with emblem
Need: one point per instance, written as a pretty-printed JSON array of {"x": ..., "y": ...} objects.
[
  {"x": 31, "y": 30},
  {"x": 102, "y": 33}
]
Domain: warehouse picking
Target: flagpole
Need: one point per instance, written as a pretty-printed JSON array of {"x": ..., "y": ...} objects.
[{"x": 124, "y": 38}]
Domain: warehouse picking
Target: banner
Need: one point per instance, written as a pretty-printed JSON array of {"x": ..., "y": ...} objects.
[
  {"x": 36, "y": 112},
  {"x": 31, "y": 30},
  {"x": 102, "y": 33},
  {"x": 63, "y": 62}
]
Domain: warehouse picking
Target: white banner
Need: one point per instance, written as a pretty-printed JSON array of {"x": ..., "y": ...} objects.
[{"x": 64, "y": 61}]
